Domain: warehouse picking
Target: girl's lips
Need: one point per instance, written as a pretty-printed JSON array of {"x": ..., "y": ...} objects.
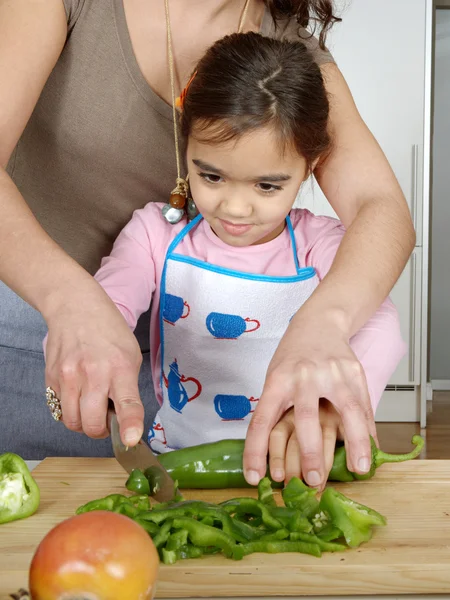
[{"x": 234, "y": 229}]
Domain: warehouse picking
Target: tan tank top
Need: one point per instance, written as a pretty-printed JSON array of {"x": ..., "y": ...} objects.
[{"x": 99, "y": 143}]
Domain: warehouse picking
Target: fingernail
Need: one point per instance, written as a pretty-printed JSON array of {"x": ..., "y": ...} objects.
[
  {"x": 364, "y": 465},
  {"x": 132, "y": 436},
  {"x": 313, "y": 478},
  {"x": 278, "y": 474},
  {"x": 252, "y": 477}
]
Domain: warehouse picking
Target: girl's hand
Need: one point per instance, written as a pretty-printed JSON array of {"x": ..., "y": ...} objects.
[
  {"x": 92, "y": 355},
  {"x": 313, "y": 360},
  {"x": 284, "y": 450}
]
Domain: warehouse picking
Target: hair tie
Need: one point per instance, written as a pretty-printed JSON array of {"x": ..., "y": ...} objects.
[{"x": 179, "y": 102}]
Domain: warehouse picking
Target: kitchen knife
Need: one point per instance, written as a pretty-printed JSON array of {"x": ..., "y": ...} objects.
[{"x": 141, "y": 457}]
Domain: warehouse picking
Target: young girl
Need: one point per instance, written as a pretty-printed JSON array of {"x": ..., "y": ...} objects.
[{"x": 225, "y": 285}]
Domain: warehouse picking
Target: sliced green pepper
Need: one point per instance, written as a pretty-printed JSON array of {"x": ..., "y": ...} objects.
[
  {"x": 281, "y": 546},
  {"x": 325, "y": 546},
  {"x": 265, "y": 492},
  {"x": 353, "y": 519},
  {"x": 138, "y": 482},
  {"x": 111, "y": 503},
  {"x": 19, "y": 492},
  {"x": 340, "y": 472},
  {"x": 203, "y": 535},
  {"x": 298, "y": 495},
  {"x": 253, "y": 507}
]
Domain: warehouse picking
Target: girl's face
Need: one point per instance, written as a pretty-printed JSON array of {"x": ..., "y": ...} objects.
[{"x": 245, "y": 188}]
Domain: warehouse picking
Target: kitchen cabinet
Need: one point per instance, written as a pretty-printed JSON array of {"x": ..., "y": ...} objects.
[{"x": 383, "y": 49}]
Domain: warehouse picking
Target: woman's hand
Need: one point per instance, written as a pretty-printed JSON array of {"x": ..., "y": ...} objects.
[
  {"x": 313, "y": 360},
  {"x": 284, "y": 450},
  {"x": 92, "y": 355}
]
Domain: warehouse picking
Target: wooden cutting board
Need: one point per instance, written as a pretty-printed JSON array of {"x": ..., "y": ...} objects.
[{"x": 410, "y": 555}]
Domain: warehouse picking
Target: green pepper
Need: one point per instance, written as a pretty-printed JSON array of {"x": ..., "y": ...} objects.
[
  {"x": 208, "y": 466},
  {"x": 298, "y": 495},
  {"x": 253, "y": 507},
  {"x": 353, "y": 519},
  {"x": 220, "y": 464},
  {"x": 138, "y": 482},
  {"x": 203, "y": 535},
  {"x": 111, "y": 503},
  {"x": 274, "y": 547},
  {"x": 19, "y": 492},
  {"x": 325, "y": 546},
  {"x": 291, "y": 518},
  {"x": 340, "y": 472},
  {"x": 265, "y": 492}
]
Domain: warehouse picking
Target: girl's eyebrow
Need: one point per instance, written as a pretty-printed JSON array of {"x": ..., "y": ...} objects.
[{"x": 272, "y": 178}]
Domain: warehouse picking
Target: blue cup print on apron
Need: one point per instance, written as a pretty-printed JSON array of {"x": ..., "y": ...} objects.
[
  {"x": 174, "y": 308},
  {"x": 229, "y": 327},
  {"x": 178, "y": 397},
  {"x": 154, "y": 430},
  {"x": 234, "y": 408}
]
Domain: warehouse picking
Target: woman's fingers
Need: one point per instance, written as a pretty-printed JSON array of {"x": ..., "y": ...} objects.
[{"x": 265, "y": 417}]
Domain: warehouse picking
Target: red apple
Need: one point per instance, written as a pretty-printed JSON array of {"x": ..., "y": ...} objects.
[{"x": 96, "y": 555}]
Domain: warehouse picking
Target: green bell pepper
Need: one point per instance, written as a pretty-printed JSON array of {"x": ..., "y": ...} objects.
[
  {"x": 19, "y": 492},
  {"x": 353, "y": 519},
  {"x": 220, "y": 465}
]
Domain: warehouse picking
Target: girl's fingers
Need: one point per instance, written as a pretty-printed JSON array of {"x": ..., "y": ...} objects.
[
  {"x": 278, "y": 442},
  {"x": 293, "y": 462},
  {"x": 329, "y": 434}
]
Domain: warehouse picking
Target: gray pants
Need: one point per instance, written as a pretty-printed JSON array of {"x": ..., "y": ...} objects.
[{"x": 26, "y": 425}]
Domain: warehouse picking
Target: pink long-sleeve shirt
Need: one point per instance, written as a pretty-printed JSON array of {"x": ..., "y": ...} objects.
[{"x": 131, "y": 276}]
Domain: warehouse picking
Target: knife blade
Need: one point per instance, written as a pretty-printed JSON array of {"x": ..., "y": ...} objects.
[{"x": 141, "y": 457}]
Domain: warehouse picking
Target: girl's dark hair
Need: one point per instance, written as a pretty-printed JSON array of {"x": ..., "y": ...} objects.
[
  {"x": 305, "y": 11},
  {"x": 246, "y": 81}
]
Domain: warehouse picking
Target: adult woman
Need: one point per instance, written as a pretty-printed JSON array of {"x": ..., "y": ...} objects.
[{"x": 86, "y": 94}]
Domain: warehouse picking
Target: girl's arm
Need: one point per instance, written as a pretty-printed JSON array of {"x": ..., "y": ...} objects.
[{"x": 314, "y": 354}]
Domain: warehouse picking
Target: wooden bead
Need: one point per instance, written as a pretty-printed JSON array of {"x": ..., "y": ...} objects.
[{"x": 177, "y": 201}]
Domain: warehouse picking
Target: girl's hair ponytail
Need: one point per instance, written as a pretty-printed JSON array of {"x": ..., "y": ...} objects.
[{"x": 305, "y": 11}]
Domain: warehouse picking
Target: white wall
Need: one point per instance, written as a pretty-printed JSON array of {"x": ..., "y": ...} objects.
[{"x": 440, "y": 223}]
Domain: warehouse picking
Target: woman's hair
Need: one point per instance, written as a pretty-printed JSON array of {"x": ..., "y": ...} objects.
[
  {"x": 305, "y": 11},
  {"x": 246, "y": 81}
]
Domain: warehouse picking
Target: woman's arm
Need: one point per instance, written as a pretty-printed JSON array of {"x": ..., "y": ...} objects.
[
  {"x": 91, "y": 352},
  {"x": 362, "y": 189}
]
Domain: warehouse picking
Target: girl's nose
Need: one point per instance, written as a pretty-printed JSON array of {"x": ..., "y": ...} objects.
[{"x": 236, "y": 205}]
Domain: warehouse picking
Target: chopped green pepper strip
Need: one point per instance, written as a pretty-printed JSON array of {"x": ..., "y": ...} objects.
[
  {"x": 138, "y": 482},
  {"x": 203, "y": 535},
  {"x": 313, "y": 539},
  {"x": 253, "y": 507},
  {"x": 265, "y": 492},
  {"x": 298, "y": 495},
  {"x": 190, "y": 551},
  {"x": 111, "y": 502},
  {"x": 281, "y": 546},
  {"x": 169, "y": 557},
  {"x": 177, "y": 539},
  {"x": 291, "y": 518},
  {"x": 151, "y": 528},
  {"x": 278, "y": 534},
  {"x": 142, "y": 502},
  {"x": 19, "y": 492},
  {"x": 329, "y": 533},
  {"x": 353, "y": 519},
  {"x": 128, "y": 510},
  {"x": 243, "y": 532},
  {"x": 163, "y": 534}
]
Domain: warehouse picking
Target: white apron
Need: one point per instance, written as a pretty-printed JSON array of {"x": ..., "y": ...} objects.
[{"x": 219, "y": 331}]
